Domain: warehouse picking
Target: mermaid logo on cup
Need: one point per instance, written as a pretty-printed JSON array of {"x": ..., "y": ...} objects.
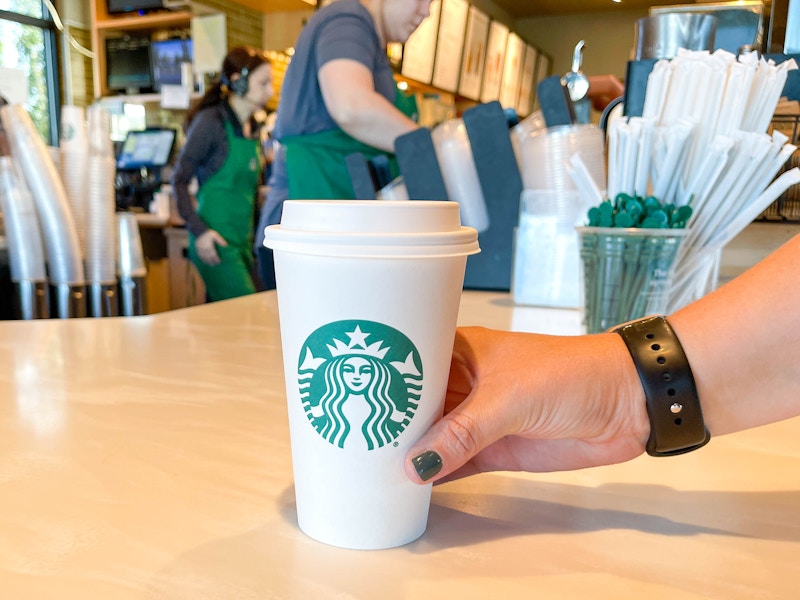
[
  {"x": 68, "y": 132},
  {"x": 359, "y": 376}
]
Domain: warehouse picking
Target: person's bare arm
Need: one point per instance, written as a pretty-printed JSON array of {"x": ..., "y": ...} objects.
[
  {"x": 603, "y": 89},
  {"x": 349, "y": 94},
  {"x": 741, "y": 344},
  {"x": 537, "y": 403}
]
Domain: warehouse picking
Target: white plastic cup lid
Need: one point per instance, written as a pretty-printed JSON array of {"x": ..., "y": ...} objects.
[
  {"x": 371, "y": 216},
  {"x": 372, "y": 227}
]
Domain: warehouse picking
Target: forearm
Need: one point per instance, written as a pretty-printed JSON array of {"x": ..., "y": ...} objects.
[
  {"x": 375, "y": 122},
  {"x": 360, "y": 111},
  {"x": 740, "y": 342},
  {"x": 185, "y": 206}
]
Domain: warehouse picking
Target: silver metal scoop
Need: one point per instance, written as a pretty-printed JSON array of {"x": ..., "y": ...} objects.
[{"x": 577, "y": 85}]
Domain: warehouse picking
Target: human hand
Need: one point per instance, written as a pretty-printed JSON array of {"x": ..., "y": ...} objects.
[
  {"x": 525, "y": 402},
  {"x": 603, "y": 89},
  {"x": 206, "y": 246}
]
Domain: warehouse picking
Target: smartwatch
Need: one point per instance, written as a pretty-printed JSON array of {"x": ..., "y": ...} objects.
[{"x": 673, "y": 407}]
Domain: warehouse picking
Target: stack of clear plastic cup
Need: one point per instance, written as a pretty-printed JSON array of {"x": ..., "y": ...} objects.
[
  {"x": 454, "y": 154},
  {"x": 24, "y": 240},
  {"x": 65, "y": 267},
  {"x": 545, "y": 153},
  {"x": 101, "y": 217},
  {"x": 394, "y": 190},
  {"x": 530, "y": 124},
  {"x": 546, "y": 263},
  {"x": 131, "y": 266},
  {"x": 73, "y": 158}
]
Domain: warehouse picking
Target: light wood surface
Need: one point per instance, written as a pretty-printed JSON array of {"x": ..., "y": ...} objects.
[{"x": 148, "y": 457}]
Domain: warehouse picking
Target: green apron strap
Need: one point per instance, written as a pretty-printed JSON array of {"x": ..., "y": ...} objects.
[{"x": 406, "y": 104}]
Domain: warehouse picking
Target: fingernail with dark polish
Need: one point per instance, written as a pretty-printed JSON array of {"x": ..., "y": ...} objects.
[{"x": 427, "y": 464}]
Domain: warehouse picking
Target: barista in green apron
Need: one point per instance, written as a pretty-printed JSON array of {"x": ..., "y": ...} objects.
[
  {"x": 224, "y": 155},
  {"x": 226, "y": 202}
]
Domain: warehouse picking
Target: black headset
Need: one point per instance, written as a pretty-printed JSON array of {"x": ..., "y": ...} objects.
[{"x": 238, "y": 86}]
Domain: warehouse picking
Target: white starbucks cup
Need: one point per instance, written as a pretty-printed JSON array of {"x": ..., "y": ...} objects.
[{"x": 368, "y": 295}]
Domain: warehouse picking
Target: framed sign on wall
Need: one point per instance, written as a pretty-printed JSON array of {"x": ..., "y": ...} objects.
[
  {"x": 449, "y": 44},
  {"x": 420, "y": 49},
  {"x": 543, "y": 63},
  {"x": 512, "y": 70},
  {"x": 474, "y": 55},
  {"x": 527, "y": 81},
  {"x": 495, "y": 56}
]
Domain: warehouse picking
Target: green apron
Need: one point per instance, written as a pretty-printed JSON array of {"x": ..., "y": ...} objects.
[
  {"x": 315, "y": 164},
  {"x": 226, "y": 203}
]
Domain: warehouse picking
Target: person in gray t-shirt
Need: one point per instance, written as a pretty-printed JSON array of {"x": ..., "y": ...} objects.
[{"x": 338, "y": 97}]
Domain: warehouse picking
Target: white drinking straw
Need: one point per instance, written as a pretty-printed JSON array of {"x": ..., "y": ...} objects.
[
  {"x": 656, "y": 89},
  {"x": 724, "y": 164},
  {"x": 767, "y": 197},
  {"x": 629, "y": 135},
  {"x": 752, "y": 156},
  {"x": 612, "y": 182},
  {"x": 590, "y": 192},
  {"x": 676, "y": 140},
  {"x": 643, "y": 162}
]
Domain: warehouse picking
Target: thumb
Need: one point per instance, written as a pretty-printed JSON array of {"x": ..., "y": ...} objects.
[
  {"x": 219, "y": 240},
  {"x": 450, "y": 445}
]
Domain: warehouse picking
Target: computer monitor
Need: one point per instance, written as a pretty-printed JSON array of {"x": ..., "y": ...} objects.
[
  {"x": 168, "y": 56},
  {"x": 147, "y": 149},
  {"x": 126, "y": 6},
  {"x": 128, "y": 65}
]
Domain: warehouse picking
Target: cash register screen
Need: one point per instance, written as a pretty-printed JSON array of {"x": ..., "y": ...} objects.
[{"x": 148, "y": 149}]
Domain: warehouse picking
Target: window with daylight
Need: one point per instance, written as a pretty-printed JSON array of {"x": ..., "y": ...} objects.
[{"x": 28, "y": 71}]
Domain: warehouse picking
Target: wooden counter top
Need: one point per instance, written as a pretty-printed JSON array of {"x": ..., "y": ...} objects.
[{"x": 148, "y": 458}]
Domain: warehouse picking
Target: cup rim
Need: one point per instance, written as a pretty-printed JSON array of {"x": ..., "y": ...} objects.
[
  {"x": 364, "y": 245},
  {"x": 629, "y": 231}
]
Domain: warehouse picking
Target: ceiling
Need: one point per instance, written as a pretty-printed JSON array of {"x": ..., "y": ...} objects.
[
  {"x": 274, "y": 6},
  {"x": 520, "y": 9}
]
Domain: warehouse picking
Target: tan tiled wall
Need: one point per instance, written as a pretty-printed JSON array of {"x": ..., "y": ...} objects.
[
  {"x": 244, "y": 26},
  {"x": 80, "y": 69}
]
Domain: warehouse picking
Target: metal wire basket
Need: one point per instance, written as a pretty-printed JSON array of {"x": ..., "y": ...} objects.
[{"x": 787, "y": 207}]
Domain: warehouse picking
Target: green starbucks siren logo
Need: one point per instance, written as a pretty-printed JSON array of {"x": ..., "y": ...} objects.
[
  {"x": 68, "y": 132},
  {"x": 359, "y": 375}
]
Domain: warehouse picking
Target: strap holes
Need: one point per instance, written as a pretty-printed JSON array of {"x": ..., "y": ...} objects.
[
  {"x": 649, "y": 336},
  {"x": 671, "y": 392},
  {"x": 678, "y": 421},
  {"x": 661, "y": 360},
  {"x": 666, "y": 376},
  {"x": 655, "y": 347}
]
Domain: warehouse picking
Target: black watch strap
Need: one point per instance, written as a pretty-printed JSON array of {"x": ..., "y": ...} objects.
[{"x": 676, "y": 419}]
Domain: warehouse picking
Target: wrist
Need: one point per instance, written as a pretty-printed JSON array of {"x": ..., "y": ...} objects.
[
  {"x": 614, "y": 411},
  {"x": 629, "y": 391}
]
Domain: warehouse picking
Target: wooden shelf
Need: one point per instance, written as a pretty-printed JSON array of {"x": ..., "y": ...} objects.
[
  {"x": 145, "y": 22},
  {"x": 105, "y": 26},
  {"x": 142, "y": 98}
]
